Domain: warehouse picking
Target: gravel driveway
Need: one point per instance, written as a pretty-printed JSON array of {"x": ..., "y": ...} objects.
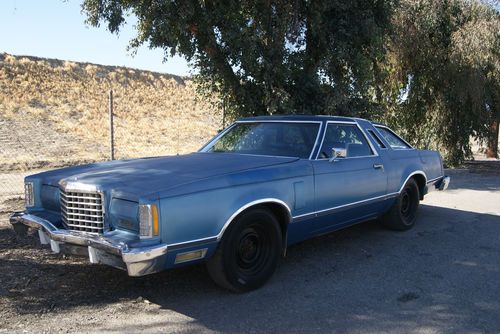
[{"x": 442, "y": 276}]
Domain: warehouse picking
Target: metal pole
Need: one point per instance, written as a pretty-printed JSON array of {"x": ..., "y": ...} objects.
[
  {"x": 111, "y": 133},
  {"x": 223, "y": 113}
]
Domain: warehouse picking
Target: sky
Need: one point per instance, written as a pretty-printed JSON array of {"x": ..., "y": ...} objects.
[{"x": 57, "y": 29}]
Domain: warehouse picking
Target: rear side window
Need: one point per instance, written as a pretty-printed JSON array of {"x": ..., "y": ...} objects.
[{"x": 394, "y": 141}]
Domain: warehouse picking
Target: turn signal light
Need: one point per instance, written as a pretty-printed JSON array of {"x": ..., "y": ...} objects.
[{"x": 148, "y": 221}]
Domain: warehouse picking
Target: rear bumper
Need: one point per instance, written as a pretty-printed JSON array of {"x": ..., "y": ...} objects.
[
  {"x": 110, "y": 250},
  {"x": 443, "y": 183},
  {"x": 439, "y": 184}
]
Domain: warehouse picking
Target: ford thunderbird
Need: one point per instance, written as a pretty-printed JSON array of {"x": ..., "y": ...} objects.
[{"x": 259, "y": 186}]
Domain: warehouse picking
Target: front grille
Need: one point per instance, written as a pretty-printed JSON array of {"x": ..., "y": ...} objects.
[{"x": 82, "y": 211}]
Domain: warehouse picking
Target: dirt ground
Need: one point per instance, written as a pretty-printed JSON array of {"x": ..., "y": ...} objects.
[{"x": 442, "y": 276}]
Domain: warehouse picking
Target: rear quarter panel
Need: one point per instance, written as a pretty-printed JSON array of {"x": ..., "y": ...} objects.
[
  {"x": 402, "y": 163},
  {"x": 432, "y": 164}
]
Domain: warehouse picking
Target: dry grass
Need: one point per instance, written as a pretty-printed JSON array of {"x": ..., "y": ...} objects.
[{"x": 52, "y": 111}]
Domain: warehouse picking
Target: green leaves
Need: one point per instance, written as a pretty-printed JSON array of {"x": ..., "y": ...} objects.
[
  {"x": 266, "y": 57},
  {"x": 447, "y": 53},
  {"x": 429, "y": 68}
]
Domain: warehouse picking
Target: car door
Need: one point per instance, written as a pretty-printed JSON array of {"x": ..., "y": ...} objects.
[{"x": 349, "y": 188}]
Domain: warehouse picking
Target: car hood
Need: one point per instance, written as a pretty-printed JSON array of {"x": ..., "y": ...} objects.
[{"x": 149, "y": 175}]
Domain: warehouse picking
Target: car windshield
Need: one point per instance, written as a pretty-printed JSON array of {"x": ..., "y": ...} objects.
[{"x": 288, "y": 139}]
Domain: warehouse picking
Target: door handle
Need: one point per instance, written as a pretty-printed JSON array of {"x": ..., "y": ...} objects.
[{"x": 378, "y": 166}]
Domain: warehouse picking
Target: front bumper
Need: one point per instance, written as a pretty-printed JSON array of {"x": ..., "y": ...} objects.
[{"x": 112, "y": 250}]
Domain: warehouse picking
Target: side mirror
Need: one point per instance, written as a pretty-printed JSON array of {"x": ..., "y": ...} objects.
[{"x": 338, "y": 153}]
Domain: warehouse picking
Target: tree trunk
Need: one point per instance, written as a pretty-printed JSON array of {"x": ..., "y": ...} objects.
[{"x": 492, "y": 150}]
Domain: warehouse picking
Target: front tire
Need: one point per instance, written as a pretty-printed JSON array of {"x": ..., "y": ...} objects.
[
  {"x": 248, "y": 253},
  {"x": 403, "y": 214}
]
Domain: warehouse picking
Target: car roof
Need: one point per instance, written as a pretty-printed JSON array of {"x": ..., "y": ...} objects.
[{"x": 315, "y": 118}]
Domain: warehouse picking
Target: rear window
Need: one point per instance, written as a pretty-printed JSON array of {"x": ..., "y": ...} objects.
[{"x": 393, "y": 139}]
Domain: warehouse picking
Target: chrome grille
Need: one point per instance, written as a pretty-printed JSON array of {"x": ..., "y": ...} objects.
[{"x": 82, "y": 211}]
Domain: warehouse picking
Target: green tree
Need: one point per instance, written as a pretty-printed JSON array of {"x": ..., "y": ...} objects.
[
  {"x": 443, "y": 76},
  {"x": 427, "y": 67},
  {"x": 267, "y": 56}
]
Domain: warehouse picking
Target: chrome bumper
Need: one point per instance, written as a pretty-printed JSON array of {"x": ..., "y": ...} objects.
[
  {"x": 443, "y": 183},
  {"x": 110, "y": 251},
  {"x": 438, "y": 184}
]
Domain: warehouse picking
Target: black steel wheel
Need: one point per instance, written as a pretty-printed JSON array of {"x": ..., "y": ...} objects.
[
  {"x": 248, "y": 253},
  {"x": 403, "y": 214}
]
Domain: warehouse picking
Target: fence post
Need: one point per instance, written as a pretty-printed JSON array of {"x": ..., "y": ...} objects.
[
  {"x": 111, "y": 130},
  {"x": 223, "y": 113}
]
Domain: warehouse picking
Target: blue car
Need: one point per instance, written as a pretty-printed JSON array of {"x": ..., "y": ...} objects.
[{"x": 261, "y": 185}]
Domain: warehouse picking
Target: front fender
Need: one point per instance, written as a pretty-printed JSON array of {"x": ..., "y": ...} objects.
[{"x": 205, "y": 215}]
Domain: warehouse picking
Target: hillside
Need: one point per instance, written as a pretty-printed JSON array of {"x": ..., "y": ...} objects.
[{"x": 54, "y": 112}]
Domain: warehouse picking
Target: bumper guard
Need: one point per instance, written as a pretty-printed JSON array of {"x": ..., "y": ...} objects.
[{"x": 136, "y": 261}]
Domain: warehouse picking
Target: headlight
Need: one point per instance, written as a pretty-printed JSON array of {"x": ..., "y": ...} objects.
[
  {"x": 148, "y": 221},
  {"x": 29, "y": 195}
]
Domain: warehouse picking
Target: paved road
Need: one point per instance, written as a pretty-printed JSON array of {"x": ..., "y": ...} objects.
[{"x": 443, "y": 276}]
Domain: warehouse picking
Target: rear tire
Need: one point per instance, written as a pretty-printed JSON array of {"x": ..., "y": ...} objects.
[
  {"x": 403, "y": 214},
  {"x": 248, "y": 253}
]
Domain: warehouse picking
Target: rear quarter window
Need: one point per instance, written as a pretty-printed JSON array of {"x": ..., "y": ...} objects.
[
  {"x": 376, "y": 139},
  {"x": 394, "y": 141}
]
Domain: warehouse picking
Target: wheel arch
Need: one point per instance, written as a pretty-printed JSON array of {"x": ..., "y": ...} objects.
[
  {"x": 279, "y": 208},
  {"x": 421, "y": 180}
]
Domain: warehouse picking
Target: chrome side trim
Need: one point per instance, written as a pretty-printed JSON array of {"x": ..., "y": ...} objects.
[
  {"x": 434, "y": 179},
  {"x": 192, "y": 243},
  {"x": 335, "y": 208},
  {"x": 411, "y": 174},
  {"x": 375, "y": 152}
]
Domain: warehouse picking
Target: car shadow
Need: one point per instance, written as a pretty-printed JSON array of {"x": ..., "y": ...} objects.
[{"x": 438, "y": 276}]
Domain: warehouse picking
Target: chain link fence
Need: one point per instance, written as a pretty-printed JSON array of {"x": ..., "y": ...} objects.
[
  {"x": 55, "y": 114},
  {"x": 29, "y": 145}
]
